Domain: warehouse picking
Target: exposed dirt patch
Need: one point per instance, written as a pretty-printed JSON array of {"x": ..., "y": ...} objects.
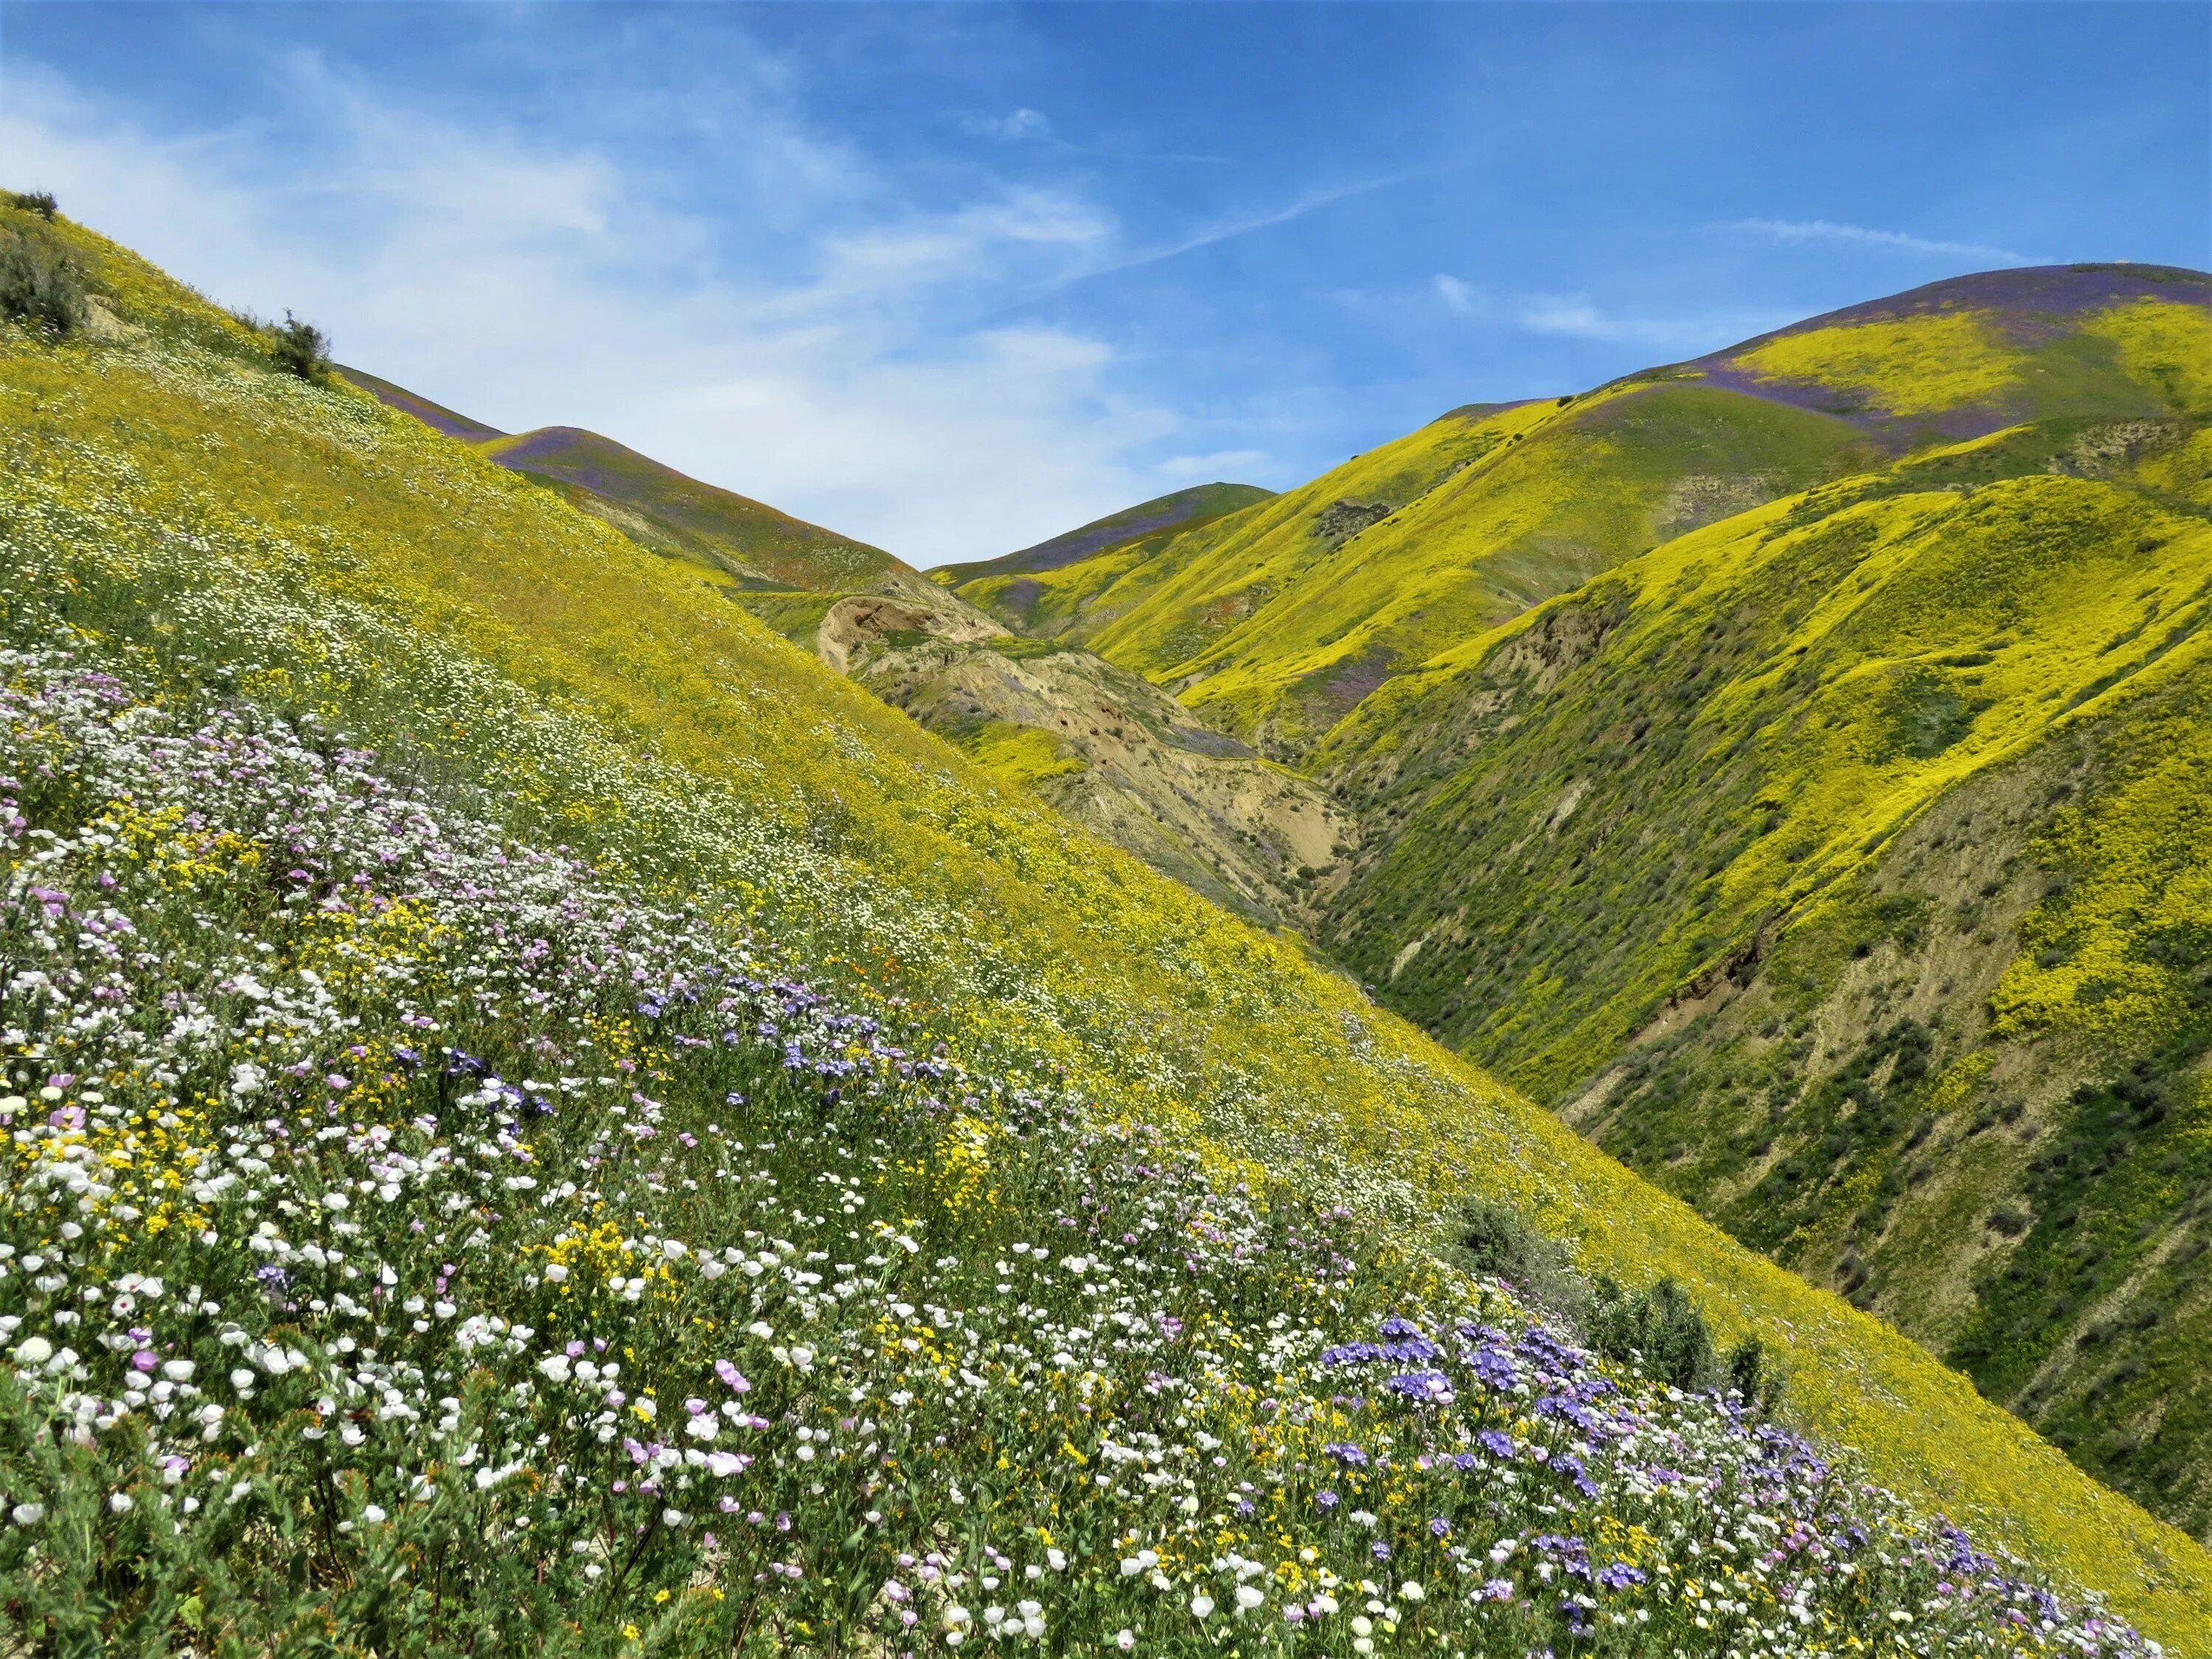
[
  {"x": 861, "y": 620},
  {"x": 1194, "y": 803},
  {"x": 1339, "y": 521}
]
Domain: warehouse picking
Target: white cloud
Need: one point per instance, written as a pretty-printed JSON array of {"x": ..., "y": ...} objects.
[
  {"x": 843, "y": 374},
  {"x": 1823, "y": 230},
  {"x": 1457, "y": 295},
  {"x": 1222, "y": 467},
  {"x": 1230, "y": 229},
  {"x": 1576, "y": 316},
  {"x": 1022, "y": 123}
]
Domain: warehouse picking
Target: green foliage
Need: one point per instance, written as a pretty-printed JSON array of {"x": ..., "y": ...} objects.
[
  {"x": 301, "y": 349},
  {"x": 1658, "y": 1331},
  {"x": 40, "y": 202},
  {"x": 39, "y": 284}
]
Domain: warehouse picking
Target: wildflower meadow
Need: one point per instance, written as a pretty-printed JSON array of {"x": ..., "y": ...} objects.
[{"x": 421, "y": 1241}]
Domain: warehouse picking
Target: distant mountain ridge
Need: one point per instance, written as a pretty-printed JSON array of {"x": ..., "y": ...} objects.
[
  {"x": 1275, "y": 625},
  {"x": 666, "y": 510},
  {"x": 1175, "y": 510}
]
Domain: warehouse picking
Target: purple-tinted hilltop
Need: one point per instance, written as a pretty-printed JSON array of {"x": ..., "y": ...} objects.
[{"x": 2038, "y": 311}]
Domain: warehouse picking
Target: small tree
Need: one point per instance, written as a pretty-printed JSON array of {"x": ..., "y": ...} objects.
[
  {"x": 39, "y": 282},
  {"x": 303, "y": 349},
  {"x": 40, "y": 202}
]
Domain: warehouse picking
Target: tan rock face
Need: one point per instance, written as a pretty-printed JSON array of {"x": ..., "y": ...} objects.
[
  {"x": 863, "y": 619},
  {"x": 1119, "y": 755}
]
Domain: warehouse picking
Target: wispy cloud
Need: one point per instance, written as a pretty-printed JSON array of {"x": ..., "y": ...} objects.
[
  {"x": 1576, "y": 316},
  {"x": 864, "y": 375},
  {"x": 1019, "y": 124},
  {"x": 1223, "y": 465},
  {"x": 1824, "y": 230},
  {"x": 1462, "y": 297},
  {"x": 1230, "y": 229},
  {"x": 1034, "y": 127}
]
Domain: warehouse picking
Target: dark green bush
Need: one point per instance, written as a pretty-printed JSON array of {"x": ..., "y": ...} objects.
[
  {"x": 40, "y": 202},
  {"x": 39, "y": 282},
  {"x": 303, "y": 349},
  {"x": 1659, "y": 1331}
]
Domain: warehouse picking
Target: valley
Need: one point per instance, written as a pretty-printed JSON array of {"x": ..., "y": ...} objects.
[
  {"x": 595, "y": 1064},
  {"x": 1787, "y": 765}
]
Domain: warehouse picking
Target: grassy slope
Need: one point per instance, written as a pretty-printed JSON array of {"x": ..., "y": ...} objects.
[
  {"x": 1605, "y": 811},
  {"x": 1178, "y": 509},
  {"x": 659, "y": 507},
  {"x": 1047, "y": 590},
  {"x": 1283, "y": 628},
  {"x": 1275, "y": 631},
  {"x": 171, "y": 475},
  {"x": 452, "y": 422}
]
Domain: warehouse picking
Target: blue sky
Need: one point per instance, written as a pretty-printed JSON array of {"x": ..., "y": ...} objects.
[{"x": 952, "y": 278}]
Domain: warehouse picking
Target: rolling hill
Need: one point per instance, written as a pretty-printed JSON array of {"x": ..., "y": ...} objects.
[
  {"x": 1096, "y": 741},
  {"x": 667, "y": 510},
  {"x": 1020, "y": 590},
  {"x": 1841, "y": 865},
  {"x": 1273, "y": 623},
  {"x": 714, "y": 970},
  {"x": 1375, "y": 629}
]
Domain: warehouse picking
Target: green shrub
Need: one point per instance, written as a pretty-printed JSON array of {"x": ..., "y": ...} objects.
[
  {"x": 1658, "y": 1332},
  {"x": 40, "y": 202},
  {"x": 303, "y": 349},
  {"x": 39, "y": 284},
  {"x": 1496, "y": 1239}
]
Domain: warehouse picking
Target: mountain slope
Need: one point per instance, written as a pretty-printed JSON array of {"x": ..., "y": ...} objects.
[
  {"x": 230, "y": 533},
  {"x": 1276, "y": 629},
  {"x": 1179, "y": 510},
  {"x": 661, "y": 508},
  {"x": 1010, "y": 587},
  {"x": 1854, "y": 803},
  {"x": 1096, "y": 741},
  {"x": 1593, "y": 838},
  {"x": 1121, "y": 758}
]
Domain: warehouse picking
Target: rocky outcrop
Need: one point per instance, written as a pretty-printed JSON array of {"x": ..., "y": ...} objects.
[
  {"x": 860, "y": 620},
  {"x": 1339, "y": 521},
  {"x": 1117, "y": 754}
]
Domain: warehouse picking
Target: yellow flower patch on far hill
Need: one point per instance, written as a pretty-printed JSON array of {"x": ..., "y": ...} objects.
[{"x": 1912, "y": 366}]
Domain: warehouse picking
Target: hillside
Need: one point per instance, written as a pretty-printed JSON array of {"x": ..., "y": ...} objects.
[
  {"x": 1274, "y": 625},
  {"x": 1116, "y": 754},
  {"x": 1884, "y": 801},
  {"x": 530, "y": 852},
  {"x": 1014, "y": 588},
  {"x": 1094, "y": 741},
  {"x": 1957, "y": 545},
  {"x": 661, "y": 508}
]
